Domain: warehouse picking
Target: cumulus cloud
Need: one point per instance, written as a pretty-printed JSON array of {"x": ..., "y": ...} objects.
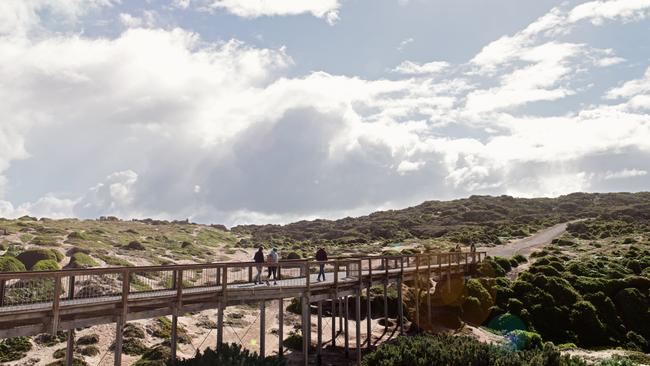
[
  {"x": 625, "y": 173},
  {"x": 414, "y": 68},
  {"x": 326, "y": 9},
  {"x": 167, "y": 124},
  {"x": 20, "y": 16}
]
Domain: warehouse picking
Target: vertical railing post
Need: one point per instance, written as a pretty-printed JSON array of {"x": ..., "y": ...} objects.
[
  {"x": 121, "y": 318},
  {"x": 417, "y": 291},
  {"x": 386, "y": 295},
  {"x": 429, "y": 317},
  {"x": 263, "y": 329},
  {"x": 400, "y": 305},
  {"x": 319, "y": 339},
  {"x": 55, "y": 304},
  {"x": 369, "y": 306},
  {"x": 3, "y": 284},
  {"x": 69, "y": 353},
  {"x": 281, "y": 328},
  {"x": 222, "y": 305}
]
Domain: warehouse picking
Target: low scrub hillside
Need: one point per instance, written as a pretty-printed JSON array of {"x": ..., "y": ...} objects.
[{"x": 478, "y": 219}]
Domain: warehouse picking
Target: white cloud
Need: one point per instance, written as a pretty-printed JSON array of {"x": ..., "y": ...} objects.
[
  {"x": 326, "y": 9},
  {"x": 405, "y": 43},
  {"x": 413, "y": 68},
  {"x": 20, "y": 16},
  {"x": 218, "y": 131},
  {"x": 625, "y": 173},
  {"x": 631, "y": 88},
  {"x": 599, "y": 11},
  {"x": 181, "y": 4}
]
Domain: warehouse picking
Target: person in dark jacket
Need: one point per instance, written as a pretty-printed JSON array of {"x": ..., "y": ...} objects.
[
  {"x": 259, "y": 259},
  {"x": 321, "y": 256}
]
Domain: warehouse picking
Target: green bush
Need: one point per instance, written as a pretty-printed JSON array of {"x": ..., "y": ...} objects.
[
  {"x": 524, "y": 340},
  {"x": 472, "y": 311},
  {"x": 156, "y": 356},
  {"x": 12, "y": 349},
  {"x": 91, "y": 351},
  {"x": 88, "y": 339},
  {"x": 504, "y": 263},
  {"x": 75, "y": 362},
  {"x": 460, "y": 351},
  {"x": 230, "y": 355},
  {"x": 586, "y": 324},
  {"x": 82, "y": 260},
  {"x": 30, "y": 257},
  {"x": 46, "y": 265},
  {"x": 11, "y": 264}
]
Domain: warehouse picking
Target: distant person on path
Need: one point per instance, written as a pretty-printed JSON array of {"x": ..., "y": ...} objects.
[
  {"x": 259, "y": 260},
  {"x": 273, "y": 260},
  {"x": 321, "y": 256}
]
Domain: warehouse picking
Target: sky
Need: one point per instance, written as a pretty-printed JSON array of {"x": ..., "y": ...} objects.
[{"x": 272, "y": 111}]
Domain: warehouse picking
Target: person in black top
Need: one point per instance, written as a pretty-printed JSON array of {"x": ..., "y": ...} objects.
[
  {"x": 259, "y": 259},
  {"x": 321, "y": 256}
]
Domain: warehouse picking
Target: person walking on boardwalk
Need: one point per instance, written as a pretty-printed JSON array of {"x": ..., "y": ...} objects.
[
  {"x": 273, "y": 260},
  {"x": 321, "y": 256},
  {"x": 259, "y": 260}
]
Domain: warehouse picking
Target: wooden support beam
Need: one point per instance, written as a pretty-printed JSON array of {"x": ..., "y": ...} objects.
[
  {"x": 220, "y": 310},
  {"x": 281, "y": 328},
  {"x": 386, "y": 305},
  {"x": 263, "y": 328},
  {"x": 55, "y": 305},
  {"x": 333, "y": 314},
  {"x": 417, "y": 291},
  {"x": 306, "y": 329},
  {"x": 319, "y": 343},
  {"x": 429, "y": 315},
  {"x": 358, "y": 325},
  {"x": 3, "y": 286},
  {"x": 69, "y": 351},
  {"x": 400, "y": 306},
  {"x": 347, "y": 321},
  {"x": 119, "y": 327},
  {"x": 449, "y": 272},
  {"x": 341, "y": 314},
  {"x": 222, "y": 306},
  {"x": 174, "y": 336},
  {"x": 368, "y": 317}
]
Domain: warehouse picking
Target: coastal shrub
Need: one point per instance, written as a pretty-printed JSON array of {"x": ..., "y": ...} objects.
[
  {"x": 230, "y": 355},
  {"x": 30, "y": 257},
  {"x": 504, "y": 263},
  {"x": 586, "y": 324},
  {"x": 156, "y": 356},
  {"x": 88, "y": 339},
  {"x": 12, "y": 349},
  {"x": 11, "y": 264},
  {"x": 524, "y": 340},
  {"x": 46, "y": 265},
  {"x": 91, "y": 351},
  {"x": 448, "y": 350},
  {"x": 82, "y": 260}
]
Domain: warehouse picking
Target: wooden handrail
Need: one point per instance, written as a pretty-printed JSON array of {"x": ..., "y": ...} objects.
[{"x": 183, "y": 267}]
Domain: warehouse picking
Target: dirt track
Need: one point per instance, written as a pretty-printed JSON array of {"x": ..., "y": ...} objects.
[{"x": 526, "y": 245}]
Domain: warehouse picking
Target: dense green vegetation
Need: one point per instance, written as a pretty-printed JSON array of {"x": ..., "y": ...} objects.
[
  {"x": 445, "y": 350},
  {"x": 478, "y": 219},
  {"x": 590, "y": 293}
]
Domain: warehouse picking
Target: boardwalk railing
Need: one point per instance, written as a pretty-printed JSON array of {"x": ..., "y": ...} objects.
[
  {"x": 31, "y": 290},
  {"x": 49, "y": 301}
]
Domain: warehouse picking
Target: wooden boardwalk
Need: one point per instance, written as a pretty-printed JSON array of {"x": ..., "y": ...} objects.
[{"x": 87, "y": 297}]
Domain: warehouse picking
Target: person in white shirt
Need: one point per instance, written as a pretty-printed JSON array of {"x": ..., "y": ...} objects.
[{"x": 273, "y": 260}]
